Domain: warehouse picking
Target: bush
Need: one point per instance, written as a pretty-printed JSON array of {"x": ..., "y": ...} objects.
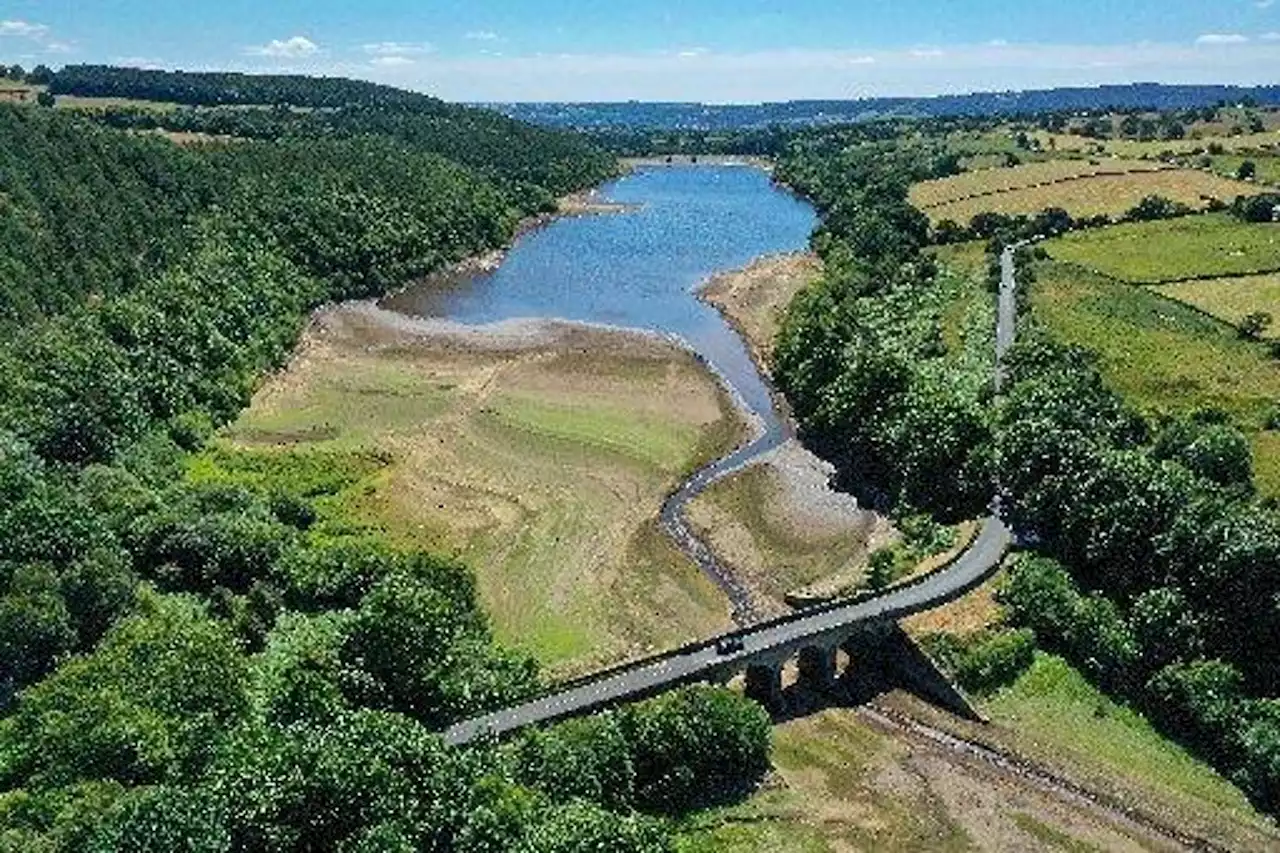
[
  {"x": 1156, "y": 207},
  {"x": 986, "y": 661},
  {"x": 696, "y": 748},
  {"x": 1258, "y": 208}
]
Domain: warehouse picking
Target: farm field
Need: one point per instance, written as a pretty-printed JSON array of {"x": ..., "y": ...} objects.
[
  {"x": 1231, "y": 299},
  {"x": 1268, "y": 168},
  {"x": 540, "y": 459},
  {"x": 1174, "y": 249},
  {"x": 1101, "y": 195},
  {"x": 1163, "y": 356},
  {"x": 928, "y": 194},
  {"x": 1158, "y": 147}
]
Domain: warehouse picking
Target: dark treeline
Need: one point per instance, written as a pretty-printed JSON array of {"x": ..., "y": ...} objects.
[
  {"x": 207, "y": 665},
  {"x": 1160, "y": 571},
  {"x": 214, "y": 89}
]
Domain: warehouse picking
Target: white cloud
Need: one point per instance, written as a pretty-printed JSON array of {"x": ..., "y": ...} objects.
[
  {"x": 1273, "y": 36},
  {"x": 998, "y": 43},
  {"x": 298, "y": 47},
  {"x": 398, "y": 48},
  {"x": 24, "y": 29},
  {"x": 1265, "y": 4},
  {"x": 1222, "y": 38},
  {"x": 59, "y": 47},
  {"x": 789, "y": 74},
  {"x": 138, "y": 62},
  {"x": 483, "y": 35},
  {"x": 693, "y": 52},
  {"x": 392, "y": 61}
]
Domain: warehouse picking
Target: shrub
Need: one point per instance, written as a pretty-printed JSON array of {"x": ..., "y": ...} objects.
[{"x": 986, "y": 661}]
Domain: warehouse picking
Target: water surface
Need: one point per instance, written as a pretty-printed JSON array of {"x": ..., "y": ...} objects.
[{"x": 641, "y": 269}]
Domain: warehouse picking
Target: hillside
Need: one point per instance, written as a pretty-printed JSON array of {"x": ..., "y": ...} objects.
[
  {"x": 696, "y": 116},
  {"x": 240, "y": 662}
]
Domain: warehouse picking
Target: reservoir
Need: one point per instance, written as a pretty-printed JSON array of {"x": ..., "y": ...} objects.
[{"x": 641, "y": 269}]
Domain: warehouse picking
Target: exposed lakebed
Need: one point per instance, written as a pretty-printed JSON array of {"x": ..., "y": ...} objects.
[{"x": 641, "y": 269}]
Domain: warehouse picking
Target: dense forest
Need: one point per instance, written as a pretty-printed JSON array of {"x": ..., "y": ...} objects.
[
  {"x": 1156, "y": 569},
  {"x": 212, "y": 89},
  {"x": 202, "y": 666}
]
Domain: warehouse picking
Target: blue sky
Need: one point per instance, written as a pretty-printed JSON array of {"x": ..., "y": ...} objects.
[{"x": 716, "y": 50}]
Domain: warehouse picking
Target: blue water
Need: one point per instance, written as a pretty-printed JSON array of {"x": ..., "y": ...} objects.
[{"x": 641, "y": 269}]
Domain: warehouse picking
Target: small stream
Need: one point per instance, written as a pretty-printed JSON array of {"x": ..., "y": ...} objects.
[{"x": 640, "y": 270}]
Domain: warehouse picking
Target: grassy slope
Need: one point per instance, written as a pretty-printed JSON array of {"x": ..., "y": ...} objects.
[
  {"x": 1164, "y": 356},
  {"x": 843, "y": 783},
  {"x": 1074, "y": 725},
  {"x": 544, "y": 469},
  {"x": 1231, "y": 299},
  {"x": 1174, "y": 249}
]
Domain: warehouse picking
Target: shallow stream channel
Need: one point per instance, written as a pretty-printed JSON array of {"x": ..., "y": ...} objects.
[{"x": 641, "y": 269}]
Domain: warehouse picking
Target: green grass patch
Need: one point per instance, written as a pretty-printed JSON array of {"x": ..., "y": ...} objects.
[
  {"x": 1267, "y": 167},
  {"x": 334, "y": 482},
  {"x": 1231, "y": 299},
  {"x": 1054, "y": 706},
  {"x": 350, "y": 408},
  {"x": 1173, "y": 249},
  {"x": 1163, "y": 356},
  {"x": 1050, "y": 837},
  {"x": 652, "y": 441}
]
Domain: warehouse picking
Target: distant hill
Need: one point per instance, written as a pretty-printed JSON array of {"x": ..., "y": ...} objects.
[{"x": 693, "y": 116}]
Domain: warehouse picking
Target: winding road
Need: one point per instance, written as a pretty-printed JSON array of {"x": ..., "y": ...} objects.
[{"x": 714, "y": 659}]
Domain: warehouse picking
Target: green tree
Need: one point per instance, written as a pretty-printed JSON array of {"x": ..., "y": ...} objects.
[
  {"x": 1253, "y": 326},
  {"x": 696, "y": 748},
  {"x": 150, "y": 703}
]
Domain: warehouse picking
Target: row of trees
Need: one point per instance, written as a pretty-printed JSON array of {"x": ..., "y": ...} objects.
[
  {"x": 41, "y": 75},
  {"x": 861, "y": 357},
  {"x": 1054, "y": 221},
  {"x": 202, "y": 666},
  {"x": 1174, "y": 564}
]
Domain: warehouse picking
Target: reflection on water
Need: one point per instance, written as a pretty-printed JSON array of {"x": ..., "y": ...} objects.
[{"x": 640, "y": 269}]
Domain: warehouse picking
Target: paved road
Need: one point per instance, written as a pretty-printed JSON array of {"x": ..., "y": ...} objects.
[
  {"x": 1007, "y": 314},
  {"x": 702, "y": 661}
]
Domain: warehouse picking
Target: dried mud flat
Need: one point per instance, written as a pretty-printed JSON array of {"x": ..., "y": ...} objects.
[{"x": 540, "y": 452}]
